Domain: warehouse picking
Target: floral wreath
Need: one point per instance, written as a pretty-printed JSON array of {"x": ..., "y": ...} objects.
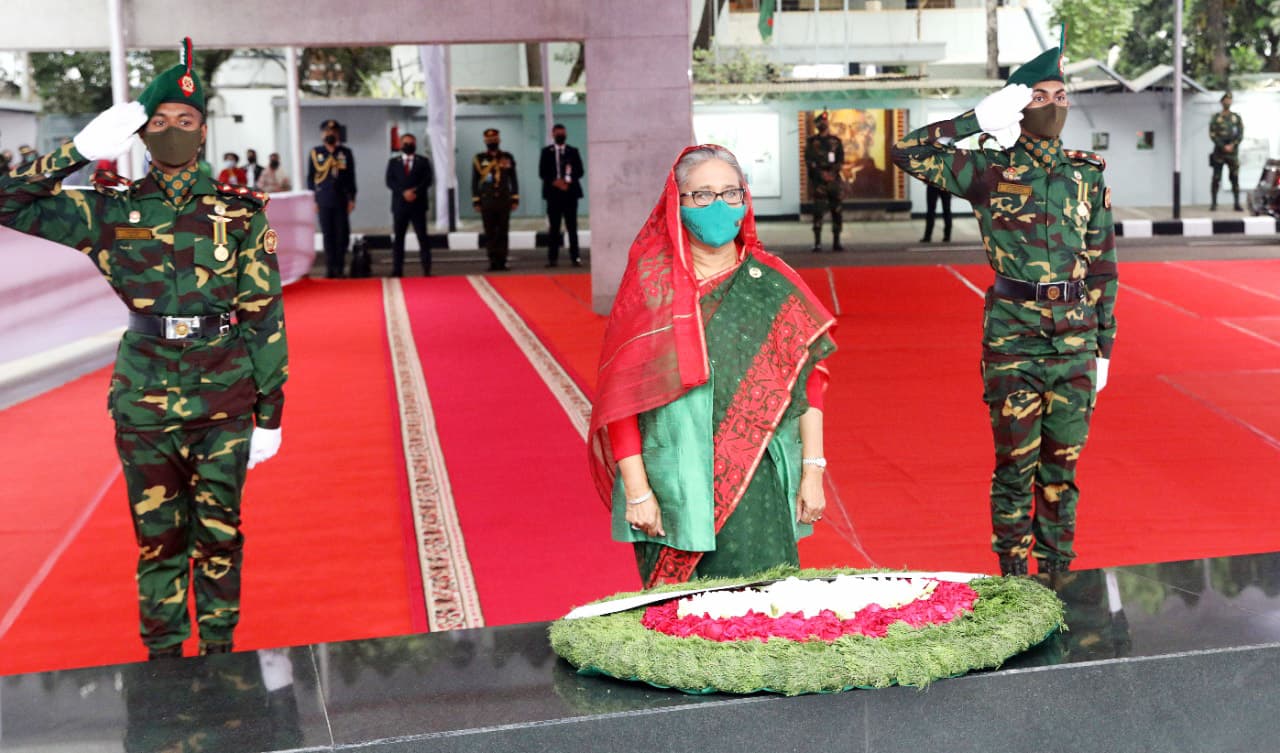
[{"x": 1010, "y": 615}]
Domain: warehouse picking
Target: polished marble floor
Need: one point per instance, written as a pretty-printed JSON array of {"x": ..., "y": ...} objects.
[{"x": 1212, "y": 622}]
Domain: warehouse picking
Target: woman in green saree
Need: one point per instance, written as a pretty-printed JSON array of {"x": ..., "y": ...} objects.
[{"x": 706, "y": 432}]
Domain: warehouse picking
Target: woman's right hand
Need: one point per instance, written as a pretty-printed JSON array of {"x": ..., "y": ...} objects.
[{"x": 646, "y": 517}]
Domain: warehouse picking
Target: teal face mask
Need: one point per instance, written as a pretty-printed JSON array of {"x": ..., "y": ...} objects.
[{"x": 713, "y": 225}]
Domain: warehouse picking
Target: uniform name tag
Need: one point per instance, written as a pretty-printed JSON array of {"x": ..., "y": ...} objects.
[
  {"x": 134, "y": 234},
  {"x": 1021, "y": 190}
]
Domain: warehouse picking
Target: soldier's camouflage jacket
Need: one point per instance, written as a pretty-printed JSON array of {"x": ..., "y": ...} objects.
[
  {"x": 162, "y": 260},
  {"x": 1226, "y": 128},
  {"x": 1045, "y": 216}
]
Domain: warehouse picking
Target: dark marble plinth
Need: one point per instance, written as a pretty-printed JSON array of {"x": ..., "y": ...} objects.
[{"x": 1169, "y": 657}]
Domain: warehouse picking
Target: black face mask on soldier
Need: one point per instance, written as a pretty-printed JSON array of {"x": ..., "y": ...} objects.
[
  {"x": 408, "y": 147},
  {"x": 275, "y": 164},
  {"x": 331, "y": 138},
  {"x": 1045, "y": 121},
  {"x": 559, "y": 138},
  {"x": 492, "y": 145}
]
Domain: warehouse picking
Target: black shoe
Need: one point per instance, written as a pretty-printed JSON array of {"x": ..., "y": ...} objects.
[
  {"x": 1213, "y": 207},
  {"x": 214, "y": 647},
  {"x": 1010, "y": 565},
  {"x": 551, "y": 264},
  {"x": 1238, "y": 209},
  {"x": 159, "y": 654},
  {"x": 926, "y": 239},
  {"x": 817, "y": 249},
  {"x": 577, "y": 262},
  {"x": 1054, "y": 566},
  {"x": 946, "y": 239},
  {"x": 837, "y": 248}
]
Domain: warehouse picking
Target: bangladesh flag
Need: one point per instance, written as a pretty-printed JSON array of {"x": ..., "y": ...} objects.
[{"x": 767, "y": 7}]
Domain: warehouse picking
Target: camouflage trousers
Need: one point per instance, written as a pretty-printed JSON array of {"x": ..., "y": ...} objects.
[
  {"x": 184, "y": 496},
  {"x": 1040, "y": 410},
  {"x": 1233, "y": 171},
  {"x": 827, "y": 198}
]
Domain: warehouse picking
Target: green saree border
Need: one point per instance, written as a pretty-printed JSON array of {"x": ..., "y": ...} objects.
[{"x": 1012, "y": 614}]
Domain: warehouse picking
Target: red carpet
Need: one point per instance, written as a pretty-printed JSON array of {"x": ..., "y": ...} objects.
[
  {"x": 516, "y": 464},
  {"x": 1182, "y": 462}
]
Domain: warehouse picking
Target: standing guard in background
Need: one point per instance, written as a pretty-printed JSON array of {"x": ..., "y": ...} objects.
[
  {"x": 197, "y": 391},
  {"x": 495, "y": 193},
  {"x": 1227, "y": 130},
  {"x": 331, "y": 174},
  {"x": 1049, "y": 321},
  {"x": 409, "y": 178},
  {"x": 560, "y": 168},
  {"x": 824, "y": 156}
]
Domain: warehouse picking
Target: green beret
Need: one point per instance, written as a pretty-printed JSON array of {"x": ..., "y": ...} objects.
[
  {"x": 1047, "y": 66},
  {"x": 178, "y": 84}
]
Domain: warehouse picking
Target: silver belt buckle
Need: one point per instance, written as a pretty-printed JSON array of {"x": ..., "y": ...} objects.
[{"x": 180, "y": 327}]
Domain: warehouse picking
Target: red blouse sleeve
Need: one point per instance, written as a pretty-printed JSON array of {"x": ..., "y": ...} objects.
[
  {"x": 815, "y": 389},
  {"x": 624, "y": 436}
]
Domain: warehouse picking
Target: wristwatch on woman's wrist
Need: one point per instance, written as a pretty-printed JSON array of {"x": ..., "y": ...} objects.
[{"x": 816, "y": 462}]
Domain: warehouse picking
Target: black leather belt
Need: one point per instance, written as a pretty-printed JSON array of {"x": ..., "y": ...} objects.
[
  {"x": 180, "y": 327},
  {"x": 1069, "y": 291}
]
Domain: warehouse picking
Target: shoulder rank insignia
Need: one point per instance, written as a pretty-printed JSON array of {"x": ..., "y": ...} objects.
[
  {"x": 106, "y": 180},
  {"x": 1083, "y": 156}
]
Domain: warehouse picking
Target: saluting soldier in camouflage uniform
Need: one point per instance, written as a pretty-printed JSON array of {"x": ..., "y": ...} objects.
[
  {"x": 196, "y": 393},
  {"x": 1045, "y": 217},
  {"x": 1227, "y": 130},
  {"x": 495, "y": 193},
  {"x": 824, "y": 156}
]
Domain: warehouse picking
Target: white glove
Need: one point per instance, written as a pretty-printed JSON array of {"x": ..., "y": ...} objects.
[
  {"x": 263, "y": 445},
  {"x": 111, "y": 133},
  {"x": 1104, "y": 365},
  {"x": 1000, "y": 113}
]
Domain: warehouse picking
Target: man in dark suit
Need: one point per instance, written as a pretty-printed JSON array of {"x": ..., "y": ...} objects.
[
  {"x": 560, "y": 168},
  {"x": 331, "y": 174},
  {"x": 409, "y": 178}
]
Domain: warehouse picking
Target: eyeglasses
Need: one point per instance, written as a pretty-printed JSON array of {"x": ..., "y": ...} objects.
[{"x": 733, "y": 197}]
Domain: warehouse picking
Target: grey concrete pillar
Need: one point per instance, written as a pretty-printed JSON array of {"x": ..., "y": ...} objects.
[{"x": 639, "y": 117}]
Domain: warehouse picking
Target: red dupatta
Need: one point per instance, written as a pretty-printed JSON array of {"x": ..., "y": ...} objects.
[{"x": 654, "y": 344}]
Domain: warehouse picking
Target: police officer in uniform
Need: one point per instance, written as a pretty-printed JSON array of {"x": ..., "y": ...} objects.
[
  {"x": 1227, "y": 130},
  {"x": 331, "y": 174},
  {"x": 197, "y": 390},
  {"x": 824, "y": 156},
  {"x": 495, "y": 193},
  {"x": 1045, "y": 216}
]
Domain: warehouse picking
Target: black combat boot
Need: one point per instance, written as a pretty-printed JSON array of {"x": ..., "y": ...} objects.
[
  {"x": 1010, "y": 565},
  {"x": 1213, "y": 201},
  {"x": 208, "y": 648},
  {"x": 159, "y": 654},
  {"x": 1054, "y": 566},
  {"x": 1236, "y": 194},
  {"x": 817, "y": 241},
  {"x": 835, "y": 242}
]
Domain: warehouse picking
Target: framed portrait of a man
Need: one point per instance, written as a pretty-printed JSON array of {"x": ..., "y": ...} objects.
[{"x": 866, "y": 173}]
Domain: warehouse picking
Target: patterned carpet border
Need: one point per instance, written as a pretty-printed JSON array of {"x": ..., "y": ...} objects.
[
  {"x": 566, "y": 391},
  {"x": 449, "y": 587}
]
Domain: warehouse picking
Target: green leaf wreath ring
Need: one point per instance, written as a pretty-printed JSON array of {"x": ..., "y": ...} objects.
[{"x": 1011, "y": 615}]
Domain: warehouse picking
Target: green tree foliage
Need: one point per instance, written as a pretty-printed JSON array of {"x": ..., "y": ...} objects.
[
  {"x": 1094, "y": 26},
  {"x": 741, "y": 67},
  {"x": 72, "y": 83},
  {"x": 341, "y": 71},
  {"x": 77, "y": 83},
  {"x": 1246, "y": 39}
]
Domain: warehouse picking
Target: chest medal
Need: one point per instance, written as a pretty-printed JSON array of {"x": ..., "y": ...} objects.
[{"x": 221, "y": 253}]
